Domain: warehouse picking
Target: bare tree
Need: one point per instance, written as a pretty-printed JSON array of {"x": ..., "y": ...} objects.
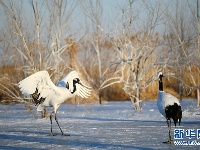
[
  {"x": 136, "y": 47},
  {"x": 35, "y": 37},
  {"x": 181, "y": 44},
  {"x": 106, "y": 76},
  {"x": 198, "y": 53}
]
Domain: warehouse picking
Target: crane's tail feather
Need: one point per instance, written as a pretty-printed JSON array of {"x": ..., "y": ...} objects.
[{"x": 174, "y": 112}]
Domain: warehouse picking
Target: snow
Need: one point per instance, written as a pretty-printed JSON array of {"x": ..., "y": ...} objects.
[{"x": 112, "y": 125}]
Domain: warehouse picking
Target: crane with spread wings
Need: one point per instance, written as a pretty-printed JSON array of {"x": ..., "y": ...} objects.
[{"x": 46, "y": 94}]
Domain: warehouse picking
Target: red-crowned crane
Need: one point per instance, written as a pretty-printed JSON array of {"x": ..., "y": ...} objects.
[
  {"x": 46, "y": 94},
  {"x": 169, "y": 106}
]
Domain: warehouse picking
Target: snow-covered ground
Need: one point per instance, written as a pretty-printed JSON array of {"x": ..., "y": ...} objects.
[{"x": 112, "y": 125}]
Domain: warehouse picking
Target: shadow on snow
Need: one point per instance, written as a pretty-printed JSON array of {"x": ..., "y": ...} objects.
[{"x": 65, "y": 141}]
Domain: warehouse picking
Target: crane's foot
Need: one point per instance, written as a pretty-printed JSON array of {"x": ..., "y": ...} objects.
[
  {"x": 169, "y": 142},
  {"x": 51, "y": 134},
  {"x": 65, "y": 134}
]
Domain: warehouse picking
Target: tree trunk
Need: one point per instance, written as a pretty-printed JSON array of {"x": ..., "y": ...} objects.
[
  {"x": 198, "y": 97},
  {"x": 100, "y": 102},
  {"x": 100, "y": 95},
  {"x": 136, "y": 99},
  {"x": 180, "y": 91}
]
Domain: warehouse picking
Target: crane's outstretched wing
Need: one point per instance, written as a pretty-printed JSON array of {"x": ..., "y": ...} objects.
[
  {"x": 72, "y": 82},
  {"x": 82, "y": 91},
  {"x": 39, "y": 86}
]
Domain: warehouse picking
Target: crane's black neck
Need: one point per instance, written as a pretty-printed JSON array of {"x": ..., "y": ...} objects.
[
  {"x": 74, "y": 85},
  {"x": 160, "y": 82}
]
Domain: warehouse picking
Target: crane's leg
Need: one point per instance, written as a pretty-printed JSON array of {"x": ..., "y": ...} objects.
[
  {"x": 169, "y": 126},
  {"x": 170, "y": 141},
  {"x": 60, "y": 127},
  {"x": 51, "y": 134},
  {"x": 58, "y": 124}
]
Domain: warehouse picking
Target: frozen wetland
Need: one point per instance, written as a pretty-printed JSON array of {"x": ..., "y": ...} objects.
[{"x": 112, "y": 125}]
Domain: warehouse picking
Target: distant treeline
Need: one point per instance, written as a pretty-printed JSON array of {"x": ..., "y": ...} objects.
[
  {"x": 119, "y": 56},
  {"x": 10, "y": 74}
]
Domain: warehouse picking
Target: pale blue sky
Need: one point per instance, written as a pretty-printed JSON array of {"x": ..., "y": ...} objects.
[
  {"x": 111, "y": 8},
  {"x": 112, "y": 14}
]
